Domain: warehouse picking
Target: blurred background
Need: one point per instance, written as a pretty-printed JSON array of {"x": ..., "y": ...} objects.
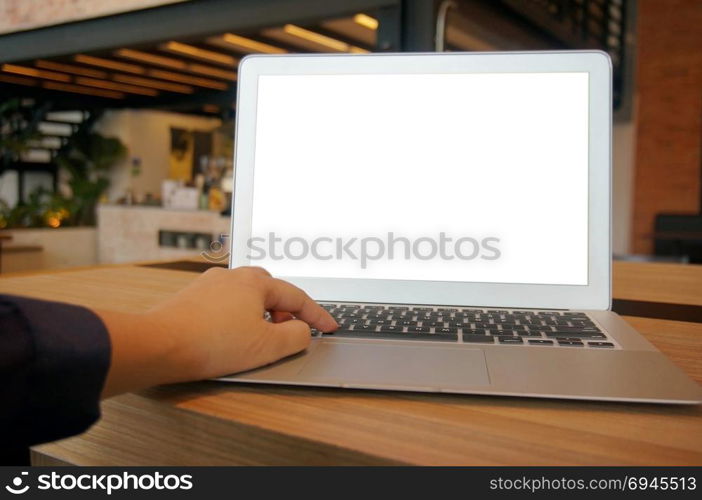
[{"x": 116, "y": 116}]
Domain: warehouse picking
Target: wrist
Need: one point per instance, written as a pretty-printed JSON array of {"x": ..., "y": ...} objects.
[
  {"x": 143, "y": 353},
  {"x": 179, "y": 358}
]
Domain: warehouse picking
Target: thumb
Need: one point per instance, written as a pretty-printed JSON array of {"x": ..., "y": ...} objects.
[{"x": 286, "y": 338}]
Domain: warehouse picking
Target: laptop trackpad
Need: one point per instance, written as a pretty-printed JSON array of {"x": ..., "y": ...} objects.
[{"x": 378, "y": 365}]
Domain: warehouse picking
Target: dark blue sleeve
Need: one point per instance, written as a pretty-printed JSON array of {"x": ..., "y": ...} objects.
[{"x": 53, "y": 362}]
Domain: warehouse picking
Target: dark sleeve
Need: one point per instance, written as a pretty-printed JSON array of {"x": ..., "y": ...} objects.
[{"x": 53, "y": 362}]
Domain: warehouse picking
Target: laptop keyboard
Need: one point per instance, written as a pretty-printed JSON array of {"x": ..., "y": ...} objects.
[{"x": 467, "y": 325}]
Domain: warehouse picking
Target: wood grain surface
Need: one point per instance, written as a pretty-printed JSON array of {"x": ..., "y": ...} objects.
[{"x": 214, "y": 423}]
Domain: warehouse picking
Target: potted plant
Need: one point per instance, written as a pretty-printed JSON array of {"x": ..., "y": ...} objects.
[{"x": 87, "y": 160}]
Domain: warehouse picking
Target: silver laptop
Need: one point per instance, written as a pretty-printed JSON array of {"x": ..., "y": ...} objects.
[{"x": 452, "y": 211}]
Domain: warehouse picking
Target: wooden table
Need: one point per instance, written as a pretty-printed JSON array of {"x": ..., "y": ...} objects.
[
  {"x": 3, "y": 237},
  {"x": 214, "y": 423}
]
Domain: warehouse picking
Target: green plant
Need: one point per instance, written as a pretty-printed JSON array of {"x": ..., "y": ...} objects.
[
  {"x": 87, "y": 160},
  {"x": 27, "y": 214},
  {"x": 18, "y": 127}
]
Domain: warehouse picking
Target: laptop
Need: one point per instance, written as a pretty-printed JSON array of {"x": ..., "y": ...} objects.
[{"x": 452, "y": 212}]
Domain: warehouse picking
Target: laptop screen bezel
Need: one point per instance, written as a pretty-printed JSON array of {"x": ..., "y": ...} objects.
[{"x": 595, "y": 295}]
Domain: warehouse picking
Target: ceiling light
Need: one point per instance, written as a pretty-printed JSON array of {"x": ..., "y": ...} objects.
[
  {"x": 109, "y": 63},
  {"x": 170, "y": 62},
  {"x": 67, "y": 87},
  {"x": 18, "y": 80},
  {"x": 246, "y": 44},
  {"x": 321, "y": 40},
  {"x": 146, "y": 57},
  {"x": 198, "y": 53},
  {"x": 192, "y": 80},
  {"x": 131, "y": 89},
  {"x": 210, "y": 71},
  {"x": 311, "y": 36},
  {"x": 69, "y": 68},
  {"x": 38, "y": 73},
  {"x": 366, "y": 21},
  {"x": 156, "y": 84}
]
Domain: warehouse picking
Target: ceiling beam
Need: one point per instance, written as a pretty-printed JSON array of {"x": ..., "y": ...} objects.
[{"x": 155, "y": 25}]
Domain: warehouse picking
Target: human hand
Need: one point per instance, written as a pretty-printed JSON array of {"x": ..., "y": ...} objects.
[{"x": 212, "y": 327}]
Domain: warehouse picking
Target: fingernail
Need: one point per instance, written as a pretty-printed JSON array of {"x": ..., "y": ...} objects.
[{"x": 330, "y": 324}]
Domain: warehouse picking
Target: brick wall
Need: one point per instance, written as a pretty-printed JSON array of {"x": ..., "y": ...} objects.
[
  {"x": 17, "y": 15},
  {"x": 669, "y": 137}
]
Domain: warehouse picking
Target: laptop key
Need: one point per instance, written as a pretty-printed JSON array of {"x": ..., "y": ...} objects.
[
  {"x": 478, "y": 339},
  {"x": 446, "y": 330},
  {"x": 570, "y": 343},
  {"x": 507, "y": 324},
  {"x": 434, "y": 324},
  {"x": 387, "y": 335},
  {"x": 577, "y": 329},
  {"x": 357, "y": 334},
  {"x": 364, "y": 328},
  {"x": 390, "y": 328},
  {"x": 600, "y": 344},
  {"x": 418, "y": 329},
  {"x": 583, "y": 324},
  {"x": 510, "y": 340},
  {"x": 379, "y": 322},
  {"x": 349, "y": 333},
  {"x": 540, "y": 342},
  {"x": 375, "y": 316},
  {"x": 579, "y": 335}
]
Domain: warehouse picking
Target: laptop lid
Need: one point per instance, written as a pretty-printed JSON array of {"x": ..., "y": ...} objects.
[{"x": 457, "y": 178}]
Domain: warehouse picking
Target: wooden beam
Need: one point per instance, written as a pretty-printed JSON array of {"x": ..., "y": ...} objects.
[{"x": 156, "y": 25}]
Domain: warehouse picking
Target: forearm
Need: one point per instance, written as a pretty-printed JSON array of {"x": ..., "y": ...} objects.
[
  {"x": 53, "y": 361},
  {"x": 144, "y": 353}
]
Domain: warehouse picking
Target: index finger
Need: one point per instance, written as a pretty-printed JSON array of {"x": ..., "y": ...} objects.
[{"x": 283, "y": 296}]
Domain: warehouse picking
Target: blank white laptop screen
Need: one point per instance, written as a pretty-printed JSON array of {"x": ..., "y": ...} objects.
[{"x": 440, "y": 177}]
